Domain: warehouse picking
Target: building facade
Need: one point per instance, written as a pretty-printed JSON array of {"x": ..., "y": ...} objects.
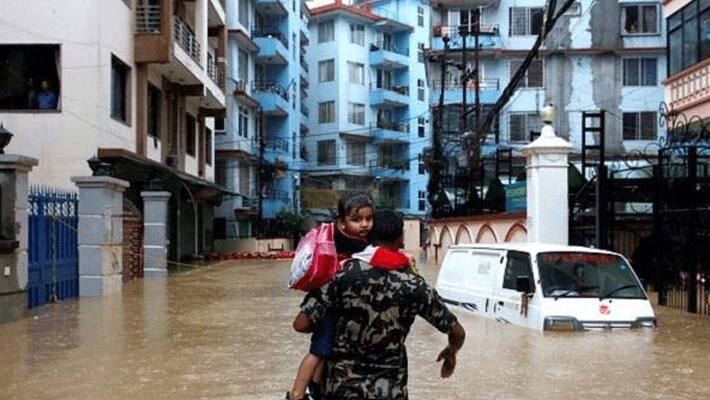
[
  {"x": 688, "y": 30},
  {"x": 599, "y": 56},
  {"x": 135, "y": 82},
  {"x": 369, "y": 103},
  {"x": 259, "y": 155}
]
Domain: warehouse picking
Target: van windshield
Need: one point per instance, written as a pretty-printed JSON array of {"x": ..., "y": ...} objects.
[{"x": 577, "y": 274}]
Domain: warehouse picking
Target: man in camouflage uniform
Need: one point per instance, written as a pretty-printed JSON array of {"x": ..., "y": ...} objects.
[{"x": 375, "y": 308}]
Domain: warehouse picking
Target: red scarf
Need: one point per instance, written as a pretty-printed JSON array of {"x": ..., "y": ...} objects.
[{"x": 383, "y": 258}]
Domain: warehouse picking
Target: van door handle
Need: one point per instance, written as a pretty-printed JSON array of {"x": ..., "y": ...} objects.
[{"x": 500, "y": 303}]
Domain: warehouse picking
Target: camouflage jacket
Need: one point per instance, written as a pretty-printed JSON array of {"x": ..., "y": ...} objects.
[{"x": 374, "y": 310}]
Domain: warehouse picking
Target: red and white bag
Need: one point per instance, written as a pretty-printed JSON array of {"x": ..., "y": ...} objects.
[{"x": 315, "y": 261}]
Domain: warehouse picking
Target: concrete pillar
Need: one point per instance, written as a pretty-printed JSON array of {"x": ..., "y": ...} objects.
[
  {"x": 100, "y": 234},
  {"x": 14, "y": 187},
  {"x": 155, "y": 233},
  {"x": 547, "y": 208}
]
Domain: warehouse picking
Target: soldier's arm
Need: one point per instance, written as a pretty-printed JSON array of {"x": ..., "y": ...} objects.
[{"x": 314, "y": 306}]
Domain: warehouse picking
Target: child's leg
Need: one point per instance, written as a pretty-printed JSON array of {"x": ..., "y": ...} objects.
[{"x": 306, "y": 371}]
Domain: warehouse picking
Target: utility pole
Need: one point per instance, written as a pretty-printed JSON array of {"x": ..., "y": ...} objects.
[
  {"x": 436, "y": 164},
  {"x": 260, "y": 175}
]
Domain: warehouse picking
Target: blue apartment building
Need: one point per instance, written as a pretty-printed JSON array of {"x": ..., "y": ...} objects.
[
  {"x": 600, "y": 55},
  {"x": 370, "y": 101},
  {"x": 258, "y": 144}
]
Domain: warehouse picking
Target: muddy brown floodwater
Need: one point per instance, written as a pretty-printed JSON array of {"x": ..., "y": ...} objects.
[{"x": 223, "y": 332}]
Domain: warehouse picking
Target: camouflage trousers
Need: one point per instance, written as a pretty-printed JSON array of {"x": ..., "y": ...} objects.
[{"x": 351, "y": 380}]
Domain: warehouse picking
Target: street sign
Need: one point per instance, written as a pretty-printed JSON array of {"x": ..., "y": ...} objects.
[{"x": 516, "y": 197}]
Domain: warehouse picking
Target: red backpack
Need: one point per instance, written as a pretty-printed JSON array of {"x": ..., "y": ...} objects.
[{"x": 316, "y": 260}]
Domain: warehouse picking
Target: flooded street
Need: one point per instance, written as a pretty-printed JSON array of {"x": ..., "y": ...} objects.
[{"x": 224, "y": 332}]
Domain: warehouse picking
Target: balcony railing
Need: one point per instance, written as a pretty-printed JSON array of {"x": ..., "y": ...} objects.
[
  {"x": 277, "y": 144},
  {"x": 392, "y": 126},
  {"x": 689, "y": 87},
  {"x": 268, "y": 86},
  {"x": 241, "y": 85},
  {"x": 389, "y": 47},
  {"x": 274, "y": 34},
  {"x": 215, "y": 71},
  {"x": 401, "y": 89},
  {"x": 484, "y": 84},
  {"x": 185, "y": 37},
  {"x": 148, "y": 18},
  {"x": 456, "y": 30},
  {"x": 389, "y": 162}
]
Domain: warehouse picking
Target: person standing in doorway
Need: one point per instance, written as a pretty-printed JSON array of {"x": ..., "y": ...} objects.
[{"x": 46, "y": 99}]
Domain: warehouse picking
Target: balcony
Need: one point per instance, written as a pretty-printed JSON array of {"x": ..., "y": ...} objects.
[
  {"x": 488, "y": 39},
  {"x": 273, "y": 47},
  {"x": 392, "y": 21},
  {"x": 304, "y": 110},
  {"x": 690, "y": 89},
  {"x": 216, "y": 13},
  {"x": 271, "y": 7},
  {"x": 242, "y": 95},
  {"x": 148, "y": 18},
  {"x": 277, "y": 145},
  {"x": 389, "y": 131},
  {"x": 215, "y": 71},
  {"x": 389, "y": 168},
  {"x": 244, "y": 39},
  {"x": 185, "y": 37},
  {"x": 273, "y": 98},
  {"x": 387, "y": 57},
  {"x": 393, "y": 96},
  {"x": 488, "y": 93}
]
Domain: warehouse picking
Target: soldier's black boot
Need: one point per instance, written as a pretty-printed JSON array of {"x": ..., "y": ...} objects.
[
  {"x": 305, "y": 397},
  {"x": 314, "y": 390}
]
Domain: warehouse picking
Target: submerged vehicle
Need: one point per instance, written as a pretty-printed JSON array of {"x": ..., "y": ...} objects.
[{"x": 545, "y": 286}]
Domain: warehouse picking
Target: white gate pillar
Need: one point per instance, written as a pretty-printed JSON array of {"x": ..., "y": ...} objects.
[{"x": 547, "y": 192}]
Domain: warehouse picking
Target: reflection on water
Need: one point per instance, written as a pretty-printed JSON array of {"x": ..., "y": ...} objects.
[{"x": 224, "y": 332}]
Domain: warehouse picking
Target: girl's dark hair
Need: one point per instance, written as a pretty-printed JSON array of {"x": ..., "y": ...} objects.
[{"x": 350, "y": 201}]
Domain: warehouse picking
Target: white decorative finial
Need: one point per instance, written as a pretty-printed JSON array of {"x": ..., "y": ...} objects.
[{"x": 547, "y": 115}]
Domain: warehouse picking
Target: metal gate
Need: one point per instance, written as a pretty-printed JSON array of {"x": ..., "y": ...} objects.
[
  {"x": 655, "y": 209},
  {"x": 53, "y": 255},
  {"x": 132, "y": 241}
]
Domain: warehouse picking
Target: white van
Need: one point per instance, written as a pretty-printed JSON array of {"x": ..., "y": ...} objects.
[{"x": 544, "y": 286}]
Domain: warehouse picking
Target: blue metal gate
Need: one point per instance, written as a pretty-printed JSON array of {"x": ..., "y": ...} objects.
[{"x": 53, "y": 270}]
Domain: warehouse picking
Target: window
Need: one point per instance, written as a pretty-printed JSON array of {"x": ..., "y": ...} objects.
[
  {"x": 220, "y": 172},
  {"x": 29, "y": 77},
  {"x": 534, "y": 76},
  {"x": 243, "y": 68},
  {"x": 190, "y": 135},
  {"x": 521, "y": 124},
  {"x": 421, "y": 126},
  {"x": 466, "y": 17},
  {"x": 119, "y": 90},
  {"x": 640, "y": 125},
  {"x": 208, "y": 146},
  {"x": 639, "y": 19},
  {"x": 357, "y": 34},
  {"x": 326, "y": 112},
  {"x": 243, "y": 122},
  {"x": 420, "y": 89},
  {"x": 294, "y": 45},
  {"x": 640, "y": 72},
  {"x": 326, "y": 31},
  {"x": 422, "y": 200},
  {"x": 356, "y": 113},
  {"x": 356, "y": 73},
  {"x": 525, "y": 21},
  {"x": 326, "y": 71},
  {"x": 420, "y": 16},
  {"x": 244, "y": 13},
  {"x": 219, "y": 126},
  {"x": 688, "y": 36},
  {"x": 422, "y": 167},
  {"x": 420, "y": 52},
  {"x": 153, "y": 111},
  {"x": 355, "y": 152},
  {"x": 518, "y": 265},
  {"x": 326, "y": 152},
  {"x": 293, "y": 5}
]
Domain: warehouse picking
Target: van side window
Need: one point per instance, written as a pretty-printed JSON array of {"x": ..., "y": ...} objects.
[{"x": 518, "y": 265}]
